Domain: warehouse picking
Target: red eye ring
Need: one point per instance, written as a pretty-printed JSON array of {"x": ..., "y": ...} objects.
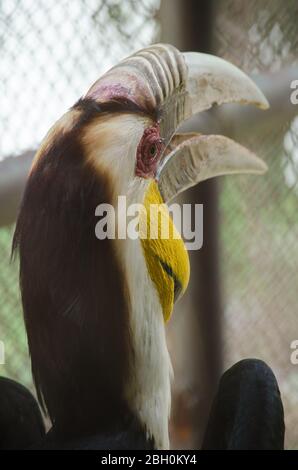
[{"x": 149, "y": 152}]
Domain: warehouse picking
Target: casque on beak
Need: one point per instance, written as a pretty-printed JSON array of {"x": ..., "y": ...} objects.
[{"x": 171, "y": 87}]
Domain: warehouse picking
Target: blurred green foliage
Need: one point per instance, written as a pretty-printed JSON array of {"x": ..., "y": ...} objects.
[{"x": 12, "y": 331}]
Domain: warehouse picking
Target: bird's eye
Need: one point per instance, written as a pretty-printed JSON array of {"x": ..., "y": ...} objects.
[{"x": 153, "y": 150}]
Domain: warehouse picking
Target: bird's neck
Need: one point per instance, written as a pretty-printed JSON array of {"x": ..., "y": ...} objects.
[
  {"x": 94, "y": 324},
  {"x": 74, "y": 294},
  {"x": 149, "y": 388}
]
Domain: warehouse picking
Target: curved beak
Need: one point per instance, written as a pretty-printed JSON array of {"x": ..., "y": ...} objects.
[
  {"x": 212, "y": 80},
  {"x": 173, "y": 86}
]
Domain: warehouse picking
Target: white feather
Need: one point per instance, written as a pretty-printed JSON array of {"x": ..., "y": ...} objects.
[{"x": 112, "y": 146}]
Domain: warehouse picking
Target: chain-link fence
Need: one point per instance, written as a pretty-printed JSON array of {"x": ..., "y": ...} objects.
[
  {"x": 52, "y": 51},
  {"x": 259, "y": 215}
]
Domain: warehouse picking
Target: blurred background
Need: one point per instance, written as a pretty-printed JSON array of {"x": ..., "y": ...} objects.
[{"x": 242, "y": 301}]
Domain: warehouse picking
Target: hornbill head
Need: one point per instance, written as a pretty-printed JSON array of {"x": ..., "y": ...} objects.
[{"x": 95, "y": 309}]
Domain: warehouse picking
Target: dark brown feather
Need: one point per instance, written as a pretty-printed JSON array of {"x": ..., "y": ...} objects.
[{"x": 74, "y": 293}]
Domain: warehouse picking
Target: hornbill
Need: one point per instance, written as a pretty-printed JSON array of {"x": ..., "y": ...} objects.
[{"x": 95, "y": 310}]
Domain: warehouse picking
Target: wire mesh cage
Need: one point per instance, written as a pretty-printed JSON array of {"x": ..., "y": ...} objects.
[
  {"x": 259, "y": 222},
  {"x": 52, "y": 51}
]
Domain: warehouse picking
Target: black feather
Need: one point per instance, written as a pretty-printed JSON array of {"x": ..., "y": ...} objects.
[{"x": 247, "y": 412}]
